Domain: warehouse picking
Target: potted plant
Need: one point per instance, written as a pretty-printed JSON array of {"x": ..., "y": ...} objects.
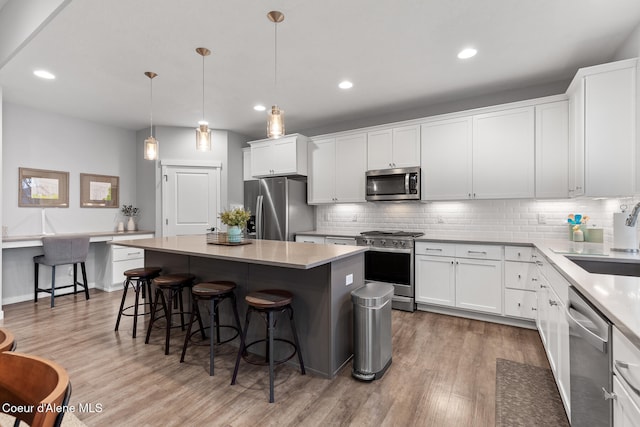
[
  {"x": 130, "y": 211},
  {"x": 235, "y": 220}
]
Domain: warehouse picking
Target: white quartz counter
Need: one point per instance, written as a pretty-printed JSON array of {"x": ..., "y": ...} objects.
[
  {"x": 266, "y": 252},
  {"x": 10, "y": 242}
]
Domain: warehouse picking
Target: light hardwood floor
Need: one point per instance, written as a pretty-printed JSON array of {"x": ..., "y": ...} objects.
[{"x": 443, "y": 372}]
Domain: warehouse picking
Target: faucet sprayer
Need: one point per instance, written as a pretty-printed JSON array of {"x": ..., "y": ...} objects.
[{"x": 633, "y": 217}]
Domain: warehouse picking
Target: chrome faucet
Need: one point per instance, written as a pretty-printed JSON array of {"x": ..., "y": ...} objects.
[{"x": 633, "y": 217}]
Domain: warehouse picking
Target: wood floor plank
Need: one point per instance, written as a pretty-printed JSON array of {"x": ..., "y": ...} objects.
[{"x": 443, "y": 372}]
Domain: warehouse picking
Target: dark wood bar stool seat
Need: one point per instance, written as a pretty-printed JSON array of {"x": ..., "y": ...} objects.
[
  {"x": 140, "y": 280},
  {"x": 169, "y": 289},
  {"x": 266, "y": 303},
  {"x": 215, "y": 292}
]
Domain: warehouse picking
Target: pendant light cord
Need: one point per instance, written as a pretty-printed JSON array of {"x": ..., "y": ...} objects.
[
  {"x": 275, "y": 62},
  {"x": 151, "y": 105},
  {"x": 203, "y": 88}
]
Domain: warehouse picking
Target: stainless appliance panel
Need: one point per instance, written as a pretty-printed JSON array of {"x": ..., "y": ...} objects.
[
  {"x": 393, "y": 184},
  {"x": 590, "y": 363},
  {"x": 274, "y": 209},
  {"x": 279, "y": 208}
]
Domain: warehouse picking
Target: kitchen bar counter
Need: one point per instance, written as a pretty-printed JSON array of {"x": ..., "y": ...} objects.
[
  {"x": 321, "y": 278},
  {"x": 265, "y": 252}
]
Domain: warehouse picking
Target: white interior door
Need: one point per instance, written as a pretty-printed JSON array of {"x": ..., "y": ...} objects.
[{"x": 190, "y": 199}]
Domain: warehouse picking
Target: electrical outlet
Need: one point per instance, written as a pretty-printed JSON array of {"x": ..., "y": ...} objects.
[
  {"x": 440, "y": 219},
  {"x": 354, "y": 218},
  {"x": 542, "y": 218},
  {"x": 348, "y": 279}
]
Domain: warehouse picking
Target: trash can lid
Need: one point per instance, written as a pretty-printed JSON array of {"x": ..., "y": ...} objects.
[{"x": 372, "y": 294}]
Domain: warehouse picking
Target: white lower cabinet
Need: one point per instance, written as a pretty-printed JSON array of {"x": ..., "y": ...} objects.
[
  {"x": 554, "y": 328},
  {"x": 304, "y": 238},
  {"x": 520, "y": 282},
  {"x": 121, "y": 259},
  {"x": 625, "y": 411},
  {"x": 626, "y": 381},
  {"x": 519, "y": 303},
  {"x": 468, "y": 283}
]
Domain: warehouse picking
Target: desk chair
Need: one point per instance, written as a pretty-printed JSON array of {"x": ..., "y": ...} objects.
[
  {"x": 30, "y": 380},
  {"x": 62, "y": 250}
]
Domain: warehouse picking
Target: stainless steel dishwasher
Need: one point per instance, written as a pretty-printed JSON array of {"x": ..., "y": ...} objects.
[{"x": 590, "y": 356}]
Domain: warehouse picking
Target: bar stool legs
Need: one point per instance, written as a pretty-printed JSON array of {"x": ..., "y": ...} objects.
[
  {"x": 215, "y": 293},
  {"x": 266, "y": 303}
]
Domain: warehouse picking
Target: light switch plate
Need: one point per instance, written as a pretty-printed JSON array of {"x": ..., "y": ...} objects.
[{"x": 348, "y": 279}]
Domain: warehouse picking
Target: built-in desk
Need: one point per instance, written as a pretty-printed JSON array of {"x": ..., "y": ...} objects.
[{"x": 104, "y": 263}]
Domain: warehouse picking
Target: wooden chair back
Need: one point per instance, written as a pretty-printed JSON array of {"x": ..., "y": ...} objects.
[
  {"x": 31, "y": 388},
  {"x": 7, "y": 340}
]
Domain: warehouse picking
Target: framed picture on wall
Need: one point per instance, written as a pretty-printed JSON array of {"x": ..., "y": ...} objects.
[
  {"x": 99, "y": 191},
  {"x": 39, "y": 188}
]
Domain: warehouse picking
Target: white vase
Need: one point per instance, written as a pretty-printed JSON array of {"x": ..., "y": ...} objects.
[{"x": 131, "y": 225}]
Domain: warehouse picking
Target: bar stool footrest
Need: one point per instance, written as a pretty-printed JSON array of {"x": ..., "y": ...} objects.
[
  {"x": 129, "y": 308},
  {"x": 265, "y": 362},
  {"x": 205, "y": 342}
]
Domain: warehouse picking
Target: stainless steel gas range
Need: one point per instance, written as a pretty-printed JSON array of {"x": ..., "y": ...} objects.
[{"x": 390, "y": 260}]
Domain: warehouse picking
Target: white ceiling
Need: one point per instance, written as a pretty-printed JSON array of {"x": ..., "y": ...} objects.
[{"x": 400, "y": 54}]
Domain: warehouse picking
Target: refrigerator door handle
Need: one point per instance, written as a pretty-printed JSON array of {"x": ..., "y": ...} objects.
[{"x": 259, "y": 219}]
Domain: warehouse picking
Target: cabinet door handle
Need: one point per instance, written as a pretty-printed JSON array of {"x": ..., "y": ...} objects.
[
  {"x": 622, "y": 368},
  {"x": 552, "y": 302},
  {"x": 433, "y": 249},
  {"x": 477, "y": 252},
  {"x": 519, "y": 276},
  {"x": 608, "y": 395},
  {"x": 539, "y": 263}
]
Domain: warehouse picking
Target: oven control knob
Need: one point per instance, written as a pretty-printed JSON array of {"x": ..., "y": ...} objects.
[
  {"x": 383, "y": 242},
  {"x": 396, "y": 243},
  {"x": 403, "y": 243}
]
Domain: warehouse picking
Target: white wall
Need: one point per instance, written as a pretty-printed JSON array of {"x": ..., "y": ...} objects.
[
  {"x": 43, "y": 140},
  {"x": 630, "y": 48},
  {"x": 492, "y": 219}
]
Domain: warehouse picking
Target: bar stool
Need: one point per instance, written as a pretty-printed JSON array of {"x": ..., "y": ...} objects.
[
  {"x": 215, "y": 292},
  {"x": 137, "y": 278},
  {"x": 61, "y": 250},
  {"x": 169, "y": 289},
  {"x": 266, "y": 303}
]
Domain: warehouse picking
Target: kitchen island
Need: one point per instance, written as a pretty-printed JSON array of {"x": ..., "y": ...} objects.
[{"x": 321, "y": 278}]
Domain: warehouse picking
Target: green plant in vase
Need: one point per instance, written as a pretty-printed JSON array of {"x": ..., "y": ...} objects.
[{"x": 236, "y": 221}]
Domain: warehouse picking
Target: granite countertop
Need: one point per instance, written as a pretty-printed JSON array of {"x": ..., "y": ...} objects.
[{"x": 266, "y": 252}]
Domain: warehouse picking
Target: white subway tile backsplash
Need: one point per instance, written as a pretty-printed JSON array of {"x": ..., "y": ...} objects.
[{"x": 477, "y": 218}]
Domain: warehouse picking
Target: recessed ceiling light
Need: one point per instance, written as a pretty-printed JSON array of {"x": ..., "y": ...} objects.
[
  {"x": 44, "y": 74},
  {"x": 259, "y": 107},
  {"x": 467, "y": 53},
  {"x": 345, "y": 85}
]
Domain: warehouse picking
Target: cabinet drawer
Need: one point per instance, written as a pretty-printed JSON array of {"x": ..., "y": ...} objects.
[
  {"x": 558, "y": 283},
  {"x": 435, "y": 248},
  {"x": 479, "y": 251},
  {"x": 625, "y": 411},
  {"x": 519, "y": 303},
  {"x": 309, "y": 239},
  {"x": 626, "y": 353},
  {"x": 520, "y": 275},
  {"x": 118, "y": 268},
  {"x": 122, "y": 253},
  {"x": 519, "y": 253},
  {"x": 332, "y": 240}
]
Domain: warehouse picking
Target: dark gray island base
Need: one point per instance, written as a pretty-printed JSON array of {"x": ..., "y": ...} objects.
[{"x": 322, "y": 300}]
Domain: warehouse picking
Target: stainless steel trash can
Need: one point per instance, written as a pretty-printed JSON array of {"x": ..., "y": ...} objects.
[{"x": 371, "y": 330}]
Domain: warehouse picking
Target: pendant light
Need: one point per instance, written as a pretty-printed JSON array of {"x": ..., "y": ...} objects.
[
  {"x": 151, "y": 144},
  {"x": 275, "y": 124},
  {"x": 203, "y": 133}
]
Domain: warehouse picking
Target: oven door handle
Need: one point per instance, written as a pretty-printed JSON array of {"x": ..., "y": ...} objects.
[{"x": 392, "y": 250}]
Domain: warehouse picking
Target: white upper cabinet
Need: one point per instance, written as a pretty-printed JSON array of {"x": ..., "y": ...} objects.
[
  {"x": 576, "y": 138},
  {"x": 604, "y": 117},
  {"x": 552, "y": 150},
  {"x": 446, "y": 159},
  {"x": 246, "y": 164},
  {"x": 503, "y": 154},
  {"x": 337, "y": 169},
  {"x": 279, "y": 157},
  {"x": 393, "y": 148}
]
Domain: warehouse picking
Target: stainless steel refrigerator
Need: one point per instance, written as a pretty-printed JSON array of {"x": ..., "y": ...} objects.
[{"x": 278, "y": 208}]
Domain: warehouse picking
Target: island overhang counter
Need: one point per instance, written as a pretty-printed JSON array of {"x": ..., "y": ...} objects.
[{"x": 321, "y": 278}]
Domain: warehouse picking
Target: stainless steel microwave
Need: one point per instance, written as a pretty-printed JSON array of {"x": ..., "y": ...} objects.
[{"x": 393, "y": 184}]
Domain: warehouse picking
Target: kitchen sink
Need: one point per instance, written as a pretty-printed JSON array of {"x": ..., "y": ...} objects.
[{"x": 602, "y": 266}]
